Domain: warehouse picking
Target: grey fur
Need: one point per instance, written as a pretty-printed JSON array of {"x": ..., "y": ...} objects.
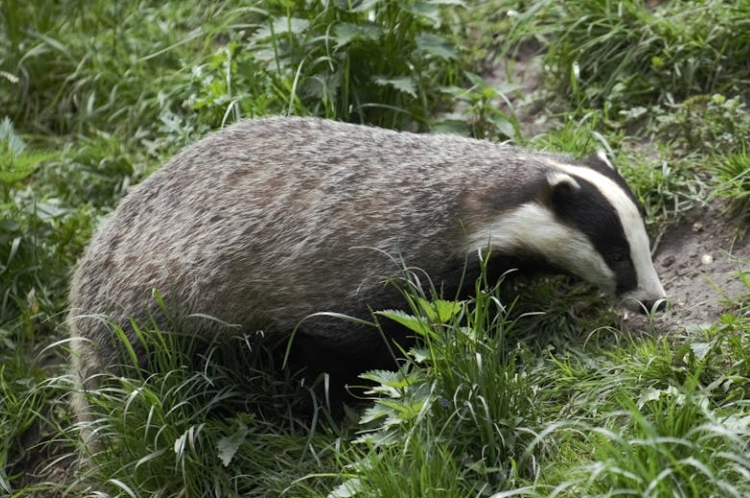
[{"x": 271, "y": 220}]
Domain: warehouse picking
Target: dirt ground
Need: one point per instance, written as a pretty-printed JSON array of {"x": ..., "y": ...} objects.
[{"x": 700, "y": 262}]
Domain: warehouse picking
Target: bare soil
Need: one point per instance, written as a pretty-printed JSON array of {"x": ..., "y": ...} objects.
[{"x": 700, "y": 262}]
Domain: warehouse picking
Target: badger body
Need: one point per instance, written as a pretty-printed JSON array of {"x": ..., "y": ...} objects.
[{"x": 271, "y": 220}]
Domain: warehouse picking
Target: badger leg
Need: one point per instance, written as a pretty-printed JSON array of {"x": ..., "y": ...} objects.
[
  {"x": 343, "y": 360},
  {"x": 85, "y": 364}
]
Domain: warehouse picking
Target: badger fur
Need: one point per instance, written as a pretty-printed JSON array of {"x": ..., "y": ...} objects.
[{"x": 271, "y": 220}]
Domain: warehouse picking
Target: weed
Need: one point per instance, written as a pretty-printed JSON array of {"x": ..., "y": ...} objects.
[
  {"x": 377, "y": 62},
  {"x": 466, "y": 385},
  {"x": 732, "y": 181},
  {"x": 482, "y": 117}
]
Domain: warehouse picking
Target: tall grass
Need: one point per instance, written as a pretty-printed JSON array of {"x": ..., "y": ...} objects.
[
  {"x": 376, "y": 62},
  {"x": 632, "y": 416},
  {"x": 213, "y": 417}
]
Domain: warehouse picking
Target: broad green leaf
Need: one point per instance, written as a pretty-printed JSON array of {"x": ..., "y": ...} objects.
[
  {"x": 440, "y": 310},
  {"x": 435, "y": 45},
  {"x": 411, "y": 322},
  {"x": 345, "y": 32},
  {"x": 403, "y": 84},
  {"x": 397, "y": 380},
  {"x": 228, "y": 445},
  {"x": 428, "y": 10},
  {"x": 281, "y": 25}
]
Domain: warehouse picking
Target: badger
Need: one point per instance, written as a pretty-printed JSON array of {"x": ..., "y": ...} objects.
[{"x": 272, "y": 220}]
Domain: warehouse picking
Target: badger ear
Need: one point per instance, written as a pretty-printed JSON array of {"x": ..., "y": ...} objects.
[
  {"x": 562, "y": 182},
  {"x": 561, "y": 187},
  {"x": 601, "y": 154}
]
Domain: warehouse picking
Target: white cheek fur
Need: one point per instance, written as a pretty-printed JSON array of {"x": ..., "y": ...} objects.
[{"x": 533, "y": 228}]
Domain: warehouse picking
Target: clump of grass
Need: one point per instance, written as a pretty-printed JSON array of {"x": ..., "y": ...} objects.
[
  {"x": 214, "y": 419},
  {"x": 577, "y": 137},
  {"x": 467, "y": 387},
  {"x": 644, "y": 419},
  {"x": 419, "y": 467},
  {"x": 375, "y": 62},
  {"x": 664, "y": 446},
  {"x": 732, "y": 181},
  {"x": 656, "y": 441},
  {"x": 666, "y": 187},
  {"x": 32, "y": 416},
  {"x": 37, "y": 238},
  {"x": 704, "y": 124},
  {"x": 481, "y": 116},
  {"x": 18, "y": 413},
  {"x": 617, "y": 55}
]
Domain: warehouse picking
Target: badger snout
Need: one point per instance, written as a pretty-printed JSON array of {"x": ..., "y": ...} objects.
[{"x": 645, "y": 304}]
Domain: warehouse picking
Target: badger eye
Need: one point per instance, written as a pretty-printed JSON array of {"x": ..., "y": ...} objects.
[{"x": 617, "y": 257}]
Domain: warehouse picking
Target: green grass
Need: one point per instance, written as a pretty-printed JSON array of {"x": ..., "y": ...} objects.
[
  {"x": 732, "y": 173},
  {"x": 618, "y": 55},
  {"x": 540, "y": 395}
]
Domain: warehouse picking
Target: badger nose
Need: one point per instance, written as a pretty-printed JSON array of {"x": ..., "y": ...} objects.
[{"x": 652, "y": 305}]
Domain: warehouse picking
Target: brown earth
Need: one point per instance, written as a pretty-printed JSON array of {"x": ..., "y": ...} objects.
[{"x": 701, "y": 262}]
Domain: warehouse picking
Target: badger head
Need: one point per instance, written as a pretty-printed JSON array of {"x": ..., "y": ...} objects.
[{"x": 584, "y": 220}]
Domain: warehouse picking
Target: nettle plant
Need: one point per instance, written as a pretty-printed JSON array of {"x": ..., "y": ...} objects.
[
  {"x": 37, "y": 237},
  {"x": 379, "y": 62},
  {"x": 448, "y": 385}
]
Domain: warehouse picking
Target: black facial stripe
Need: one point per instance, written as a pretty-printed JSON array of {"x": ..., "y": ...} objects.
[{"x": 589, "y": 211}]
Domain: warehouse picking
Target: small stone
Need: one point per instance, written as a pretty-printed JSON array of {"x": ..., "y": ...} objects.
[
  {"x": 698, "y": 226},
  {"x": 707, "y": 259}
]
